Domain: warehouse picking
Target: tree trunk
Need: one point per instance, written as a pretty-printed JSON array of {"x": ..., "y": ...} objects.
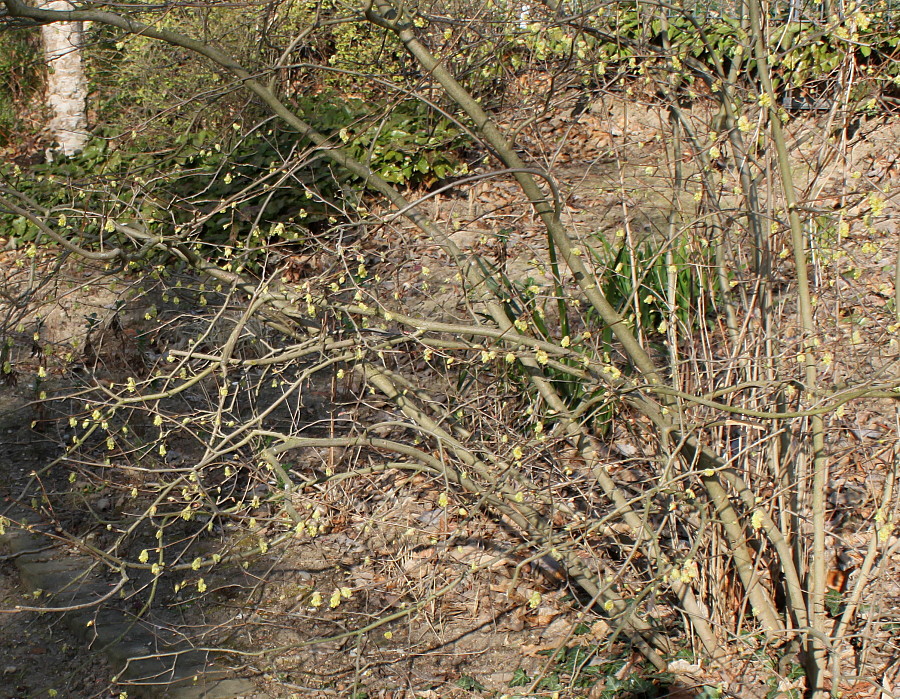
[{"x": 66, "y": 84}]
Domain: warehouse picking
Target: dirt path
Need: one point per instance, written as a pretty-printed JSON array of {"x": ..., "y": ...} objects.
[{"x": 39, "y": 657}]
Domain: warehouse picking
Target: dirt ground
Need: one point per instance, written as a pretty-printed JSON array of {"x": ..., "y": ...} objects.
[
  {"x": 370, "y": 553},
  {"x": 39, "y": 658}
]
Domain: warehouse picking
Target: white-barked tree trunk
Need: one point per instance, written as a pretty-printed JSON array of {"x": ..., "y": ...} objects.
[{"x": 66, "y": 84}]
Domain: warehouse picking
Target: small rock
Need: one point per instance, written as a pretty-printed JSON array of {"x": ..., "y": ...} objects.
[{"x": 681, "y": 666}]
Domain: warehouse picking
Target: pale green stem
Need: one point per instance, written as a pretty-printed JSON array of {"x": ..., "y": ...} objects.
[{"x": 816, "y": 652}]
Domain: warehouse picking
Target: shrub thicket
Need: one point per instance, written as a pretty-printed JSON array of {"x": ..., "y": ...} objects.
[{"x": 647, "y": 417}]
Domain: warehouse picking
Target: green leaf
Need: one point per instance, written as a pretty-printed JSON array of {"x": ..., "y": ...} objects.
[
  {"x": 469, "y": 683},
  {"x": 519, "y": 679}
]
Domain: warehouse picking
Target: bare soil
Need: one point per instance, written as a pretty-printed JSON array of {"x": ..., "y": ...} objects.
[{"x": 39, "y": 657}]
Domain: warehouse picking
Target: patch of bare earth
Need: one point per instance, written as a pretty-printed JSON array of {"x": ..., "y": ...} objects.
[{"x": 39, "y": 657}]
